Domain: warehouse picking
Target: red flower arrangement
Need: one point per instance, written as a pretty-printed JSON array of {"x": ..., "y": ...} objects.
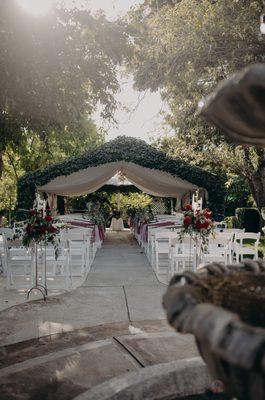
[
  {"x": 40, "y": 228},
  {"x": 198, "y": 223}
]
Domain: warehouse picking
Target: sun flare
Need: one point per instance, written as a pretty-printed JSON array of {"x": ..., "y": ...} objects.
[{"x": 36, "y": 7}]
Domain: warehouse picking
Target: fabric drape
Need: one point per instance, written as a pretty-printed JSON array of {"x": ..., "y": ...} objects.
[{"x": 89, "y": 180}]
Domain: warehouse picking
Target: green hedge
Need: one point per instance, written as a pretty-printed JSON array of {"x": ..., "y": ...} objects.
[
  {"x": 248, "y": 219},
  {"x": 131, "y": 150}
]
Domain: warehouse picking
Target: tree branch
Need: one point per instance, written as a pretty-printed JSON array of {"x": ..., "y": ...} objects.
[{"x": 12, "y": 164}]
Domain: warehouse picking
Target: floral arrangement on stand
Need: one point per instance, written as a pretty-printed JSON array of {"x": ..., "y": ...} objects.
[
  {"x": 198, "y": 224},
  {"x": 40, "y": 228}
]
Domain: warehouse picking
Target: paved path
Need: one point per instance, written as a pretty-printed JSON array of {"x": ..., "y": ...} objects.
[
  {"x": 121, "y": 270},
  {"x": 121, "y": 287},
  {"x": 111, "y": 327}
]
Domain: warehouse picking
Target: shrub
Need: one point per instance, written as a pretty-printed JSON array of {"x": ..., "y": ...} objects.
[
  {"x": 232, "y": 222},
  {"x": 238, "y": 194},
  {"x": 248, "y": 218}
]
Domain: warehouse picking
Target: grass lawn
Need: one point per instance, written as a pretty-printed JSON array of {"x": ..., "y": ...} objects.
[{"x": 261, "y": 246}]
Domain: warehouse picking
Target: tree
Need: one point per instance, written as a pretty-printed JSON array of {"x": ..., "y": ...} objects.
[
  {"x": 55, "y": 69},
  {"x": 32, "y": 153},
  {"x": 184, "y": 49}
]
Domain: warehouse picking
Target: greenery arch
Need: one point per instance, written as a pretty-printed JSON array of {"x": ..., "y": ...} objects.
[{"x": 131, "y": 150}]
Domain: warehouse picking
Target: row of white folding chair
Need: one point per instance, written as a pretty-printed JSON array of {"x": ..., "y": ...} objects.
[
  {"x": 74, "y": 260},
  {"x": 183, "y": 253},
  {"x": 232, "y": 250},
  {"x": 21, "y": 267},
  {"x": 239, "y": 249},
  {"x": 59, "y": 270},
  {"x": 221, "y": 248}
]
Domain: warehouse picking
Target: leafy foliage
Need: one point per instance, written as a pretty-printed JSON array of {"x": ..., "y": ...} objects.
[
  {"x": 237, "y": 195},
  {"x": 130, "y": 203},
  {"x": 184, "y": 48},
  {"x": 130, "y": 150},
  {"x": 33, "y": 153},
  {"x": 8, "y": 188},
  {"x": 55, "y": 68},
  {"x": 248, "y": 219},
  {"x": 54, "y": 71}
]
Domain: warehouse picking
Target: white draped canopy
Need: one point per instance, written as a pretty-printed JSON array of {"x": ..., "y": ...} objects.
[{"x": 151, "y": 181}]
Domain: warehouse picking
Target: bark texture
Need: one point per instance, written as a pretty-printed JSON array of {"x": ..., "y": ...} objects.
[{"x": 231, "y": 343}]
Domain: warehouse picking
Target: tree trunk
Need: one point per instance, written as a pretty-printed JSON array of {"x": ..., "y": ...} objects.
[
  {"x": 1, "y": 165},
  {"x": 257, "y": 186}
]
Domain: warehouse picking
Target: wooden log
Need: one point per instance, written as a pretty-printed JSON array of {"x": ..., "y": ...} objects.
[{"x": 224, "y": 307}]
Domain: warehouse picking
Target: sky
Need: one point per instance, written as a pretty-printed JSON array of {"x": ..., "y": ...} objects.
[{"x": 143, "y": 120}]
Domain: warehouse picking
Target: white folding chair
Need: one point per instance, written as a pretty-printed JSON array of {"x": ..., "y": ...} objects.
[
  {"x": 218, "y": 249},
  {"x": 243, "y": 249},
  {"x": 233, "y": 243},
  {"x": 162, "y": 247},
  {"x": 3, "y": 266},
  {"x": 19, "y": 266},
  {"x": 169, "y": 232},
  {"x": 8, "y": 232},
  {"x": 58, "y": 274},
  {"x": 77, "y": 255},
  {"x": 84, "y": 236},
  {"x": 182, "y": 256}
]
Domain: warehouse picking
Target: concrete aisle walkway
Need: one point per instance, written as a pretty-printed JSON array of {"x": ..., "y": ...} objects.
[
  {"x": 121, "y": 287},
  {"x": 113, "y": 327},
  {"x": 121, "y": 270}
]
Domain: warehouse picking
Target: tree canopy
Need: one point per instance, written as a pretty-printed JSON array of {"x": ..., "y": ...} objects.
[
  {"x": 56, "y": 68},
  {"x": 54, "y": 71},
  {"x": 184, "y": 48}
]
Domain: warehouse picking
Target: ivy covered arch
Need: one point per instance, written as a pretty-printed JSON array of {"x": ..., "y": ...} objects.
[{"x": 127, "y": 150}]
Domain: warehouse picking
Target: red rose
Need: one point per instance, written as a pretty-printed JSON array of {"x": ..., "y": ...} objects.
[
  {"x": 208, "y": 214},
  {"x": 198, "y": 224},
  {"x": 188, "y": 207},
  {"x": 187, "y": 221},
  {"x": 202, "y": 225},
  {"x": 206, "y": 225},
  {"x": 48, "y": 218},
  {"x": 28, "y": 228},
  {"x": 52, "y": 229},
  {"x": 33, "y": 212}
]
